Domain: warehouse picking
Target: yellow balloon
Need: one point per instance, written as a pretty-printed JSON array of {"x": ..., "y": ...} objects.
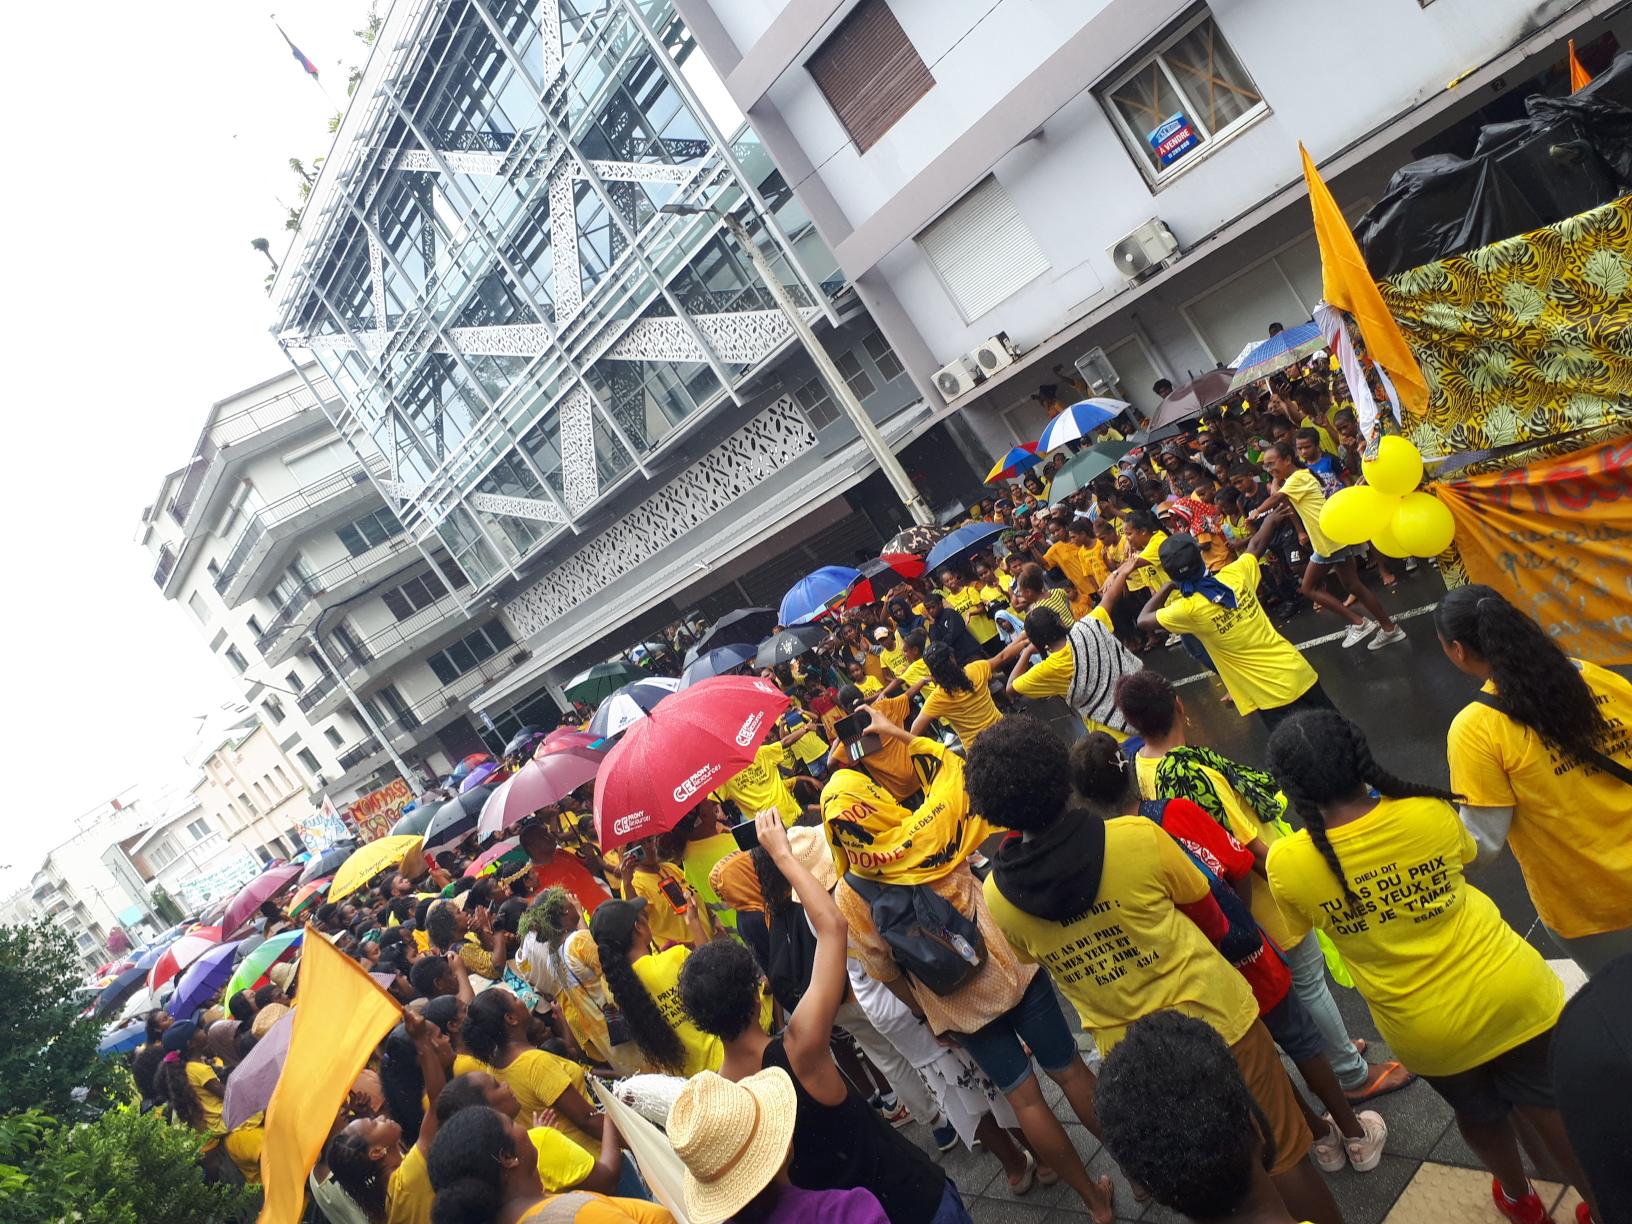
[
  {"x": 1398, "y": 466},
  {"x": 1385, "y": 543},
  {"x": 1422, "y": 525},
  {"x": 1352, "y": 515}
]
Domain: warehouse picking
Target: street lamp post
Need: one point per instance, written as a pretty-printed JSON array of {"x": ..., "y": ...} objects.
[{"x": 836, "y": 385}]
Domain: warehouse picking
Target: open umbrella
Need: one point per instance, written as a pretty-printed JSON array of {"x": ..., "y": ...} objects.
[
  {"x": 1086, "y": 465},
  {"x": 1189, "y": 400},
  {"x": 912, "y": 541},
  {"x": 1018, "y": 459},
  {"x": 416, "y": 821},
  {"x": 139, "y": 1004},
  {"x": 367, "y": 861},
  {"x": 249, "y": 1087},
  {"x": 1278, "y": 352},
  {"x": 630, "y": 704},
  {"x": 117, "y": 991},
  {"x": 492, "y": 855},
  {"x": 597, "y": 683},
  {"x": 788, "y": 645},
  {"x": 957, "y": 547},
  {"x": 326, "y": 863},
  {"x": 745, "y": 626},
  {"x": 816, "y": 594},
  {"x": 480, "y": 776},
  {"x": 177, "y": 957},
  {"x": 307, "y": 895},
  {"x": 1078, "y": 421},
  {"x": 122, "y": 1040},
  {"x": 1153, "y": 436},
  {"x": 200, "y": 981},
  {"x": 717, "y": 662},
  {"x": 523, "y": 743},
  {"x": 879, "y": 576},
  {"x": 548, "y": 778},
  {"x": 253, "y": 967},
  {"x": 263, "y": 887},
  {"x": 690, "y": 744},
  {"x": 454, "y": 819}
]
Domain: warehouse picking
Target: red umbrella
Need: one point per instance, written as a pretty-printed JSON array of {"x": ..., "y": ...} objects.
[
  {"x": 689, "y": 745},
  {"x": 307, "y": 893},
  {"x": 179, "y": 955},
  {"x": 491, "y": 855},
  {"x": 263, "y": 887},
  {"x": 552, "y": 775}
]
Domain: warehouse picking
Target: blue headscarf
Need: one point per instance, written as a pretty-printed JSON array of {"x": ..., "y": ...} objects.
[{"x": 1181, "y": 557}]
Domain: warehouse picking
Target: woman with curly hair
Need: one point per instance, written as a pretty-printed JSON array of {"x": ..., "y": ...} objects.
[
  {"x": 1543, "y": 759},
  {"x": 496, "y": 1032},
  {"x": 1458, "y": 994},
  {"x": 558, "y": 957}
]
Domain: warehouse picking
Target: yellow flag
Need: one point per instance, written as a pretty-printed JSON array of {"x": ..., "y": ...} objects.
[
  {"x": 1347, "y": 284},
  {"x": 342, "y": 1016},
  {"x": 1579, "y": 76}
]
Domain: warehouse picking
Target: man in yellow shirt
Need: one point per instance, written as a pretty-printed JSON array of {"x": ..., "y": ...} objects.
[
  {"x": 760, "y": 784},
  {"x": 1048, "y": 668},
  {"x": 1296, "y": 486},
  {"x": 1068, "y": 558},
  {"x": 967, "y": 601}
]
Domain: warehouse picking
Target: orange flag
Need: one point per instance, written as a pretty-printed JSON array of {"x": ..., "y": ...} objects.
[
  {"x": 341, "y": 1017},
  {"x": 1579, "y": 76},
  {"x": 1347, "y": 284}
]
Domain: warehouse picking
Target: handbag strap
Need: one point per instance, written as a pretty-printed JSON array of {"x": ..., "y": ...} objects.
[{"x": 1604, "y": 762}]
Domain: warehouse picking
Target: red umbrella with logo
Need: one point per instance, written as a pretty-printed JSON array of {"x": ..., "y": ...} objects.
[{"x": 688, "y": 746}]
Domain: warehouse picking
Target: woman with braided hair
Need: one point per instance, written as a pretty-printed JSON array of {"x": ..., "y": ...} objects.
[
  {"x": 1543, "y": 756},
  {"x": 1459, "y": 995}
]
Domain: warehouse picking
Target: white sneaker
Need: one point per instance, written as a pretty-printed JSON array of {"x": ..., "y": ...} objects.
[
  {"x": 1329, "y": 1154},
  {"x": 1357, "y": 633},
  {"x": 1410, "y": 565},
  {"x": 1386, "y": 637},
  {"x": 1366, "y": 1152}
]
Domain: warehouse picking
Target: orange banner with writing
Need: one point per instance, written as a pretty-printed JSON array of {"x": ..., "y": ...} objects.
[
  {"x": 1556, "y": 539},
  {"x": 374, "y": 814}
]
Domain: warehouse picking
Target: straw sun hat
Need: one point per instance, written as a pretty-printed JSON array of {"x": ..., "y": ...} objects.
[{"x": 732, "y": 1138}]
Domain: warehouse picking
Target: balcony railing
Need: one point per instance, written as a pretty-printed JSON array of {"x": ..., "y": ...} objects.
[
  {"x": 353, "y": 757},
  {"x": 397, "y": 636},
  {"x": 285, "y": 508},
  {"x": 327, "y": 579},
  {"x": 309, "y": 699},
  {"x": 166, "y": 566}
]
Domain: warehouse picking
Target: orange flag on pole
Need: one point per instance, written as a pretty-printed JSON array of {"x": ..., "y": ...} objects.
[
  {"x": 1579, "y": 76},
  {"x": 341, "y": 1016},
  {"x": 1347, "y": 284}
]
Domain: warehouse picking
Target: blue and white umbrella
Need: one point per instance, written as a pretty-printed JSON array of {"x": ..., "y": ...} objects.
[
  {"x": 816, "y": 594},
  {"x": 630, "y": 704},
  {"x": 1078, "y": 421}
]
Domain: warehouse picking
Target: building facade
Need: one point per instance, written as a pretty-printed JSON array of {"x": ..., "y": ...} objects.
[
  {"x": 973, "y": 166},
  {"x": 253, "y": 791},
  {"x": 187, "y": 854},
  {"x": 591, "y": 406}
]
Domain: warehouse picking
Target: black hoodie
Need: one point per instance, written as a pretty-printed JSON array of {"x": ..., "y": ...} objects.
[{"x": 1055, "y": 874}]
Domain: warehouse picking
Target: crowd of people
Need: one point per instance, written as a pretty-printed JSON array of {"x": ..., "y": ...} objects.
[{"x": 897, "y": 923}]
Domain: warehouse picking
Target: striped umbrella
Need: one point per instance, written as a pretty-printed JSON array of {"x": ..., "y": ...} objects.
[
  {"x": 308, "y": 895},
  {"x": 1019, "y": 459},
  {"x": 253, "y": 967}
]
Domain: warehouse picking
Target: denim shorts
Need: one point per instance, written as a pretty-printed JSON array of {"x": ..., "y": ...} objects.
[
  {"x": 1293, "y": 1028},
  {"x": 1349, "y": 552},
  {"x": 1038, "y": 1021}
]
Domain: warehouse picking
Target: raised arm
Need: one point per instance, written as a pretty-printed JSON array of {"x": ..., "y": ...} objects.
[{"x": 1259, "y": 543}]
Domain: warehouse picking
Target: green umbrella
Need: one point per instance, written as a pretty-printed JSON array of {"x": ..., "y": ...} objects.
[
  {"x": 254, "y": 966},
  {"x": 598, "y": 683},
  {"x": 1084, "y": 466}
]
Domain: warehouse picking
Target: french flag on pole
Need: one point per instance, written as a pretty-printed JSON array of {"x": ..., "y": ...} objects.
[{"x": 299, "y": 55}]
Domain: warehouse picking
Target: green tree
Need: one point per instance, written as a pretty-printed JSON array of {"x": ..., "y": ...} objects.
[{"x": 49, "y": 1061}]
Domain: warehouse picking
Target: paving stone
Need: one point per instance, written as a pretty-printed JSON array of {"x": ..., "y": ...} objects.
[
  {"x": 1010, "y": 1211},
  {"x": 1366, "y": 1197},
  {"x": 1449, "y": 1195},
  {"x": 1417, "y": 1118}
]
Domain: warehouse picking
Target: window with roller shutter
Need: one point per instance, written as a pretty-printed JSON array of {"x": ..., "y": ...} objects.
[
  {"x": 869, "y": 72},
  {"x": 982, "y": 250}
]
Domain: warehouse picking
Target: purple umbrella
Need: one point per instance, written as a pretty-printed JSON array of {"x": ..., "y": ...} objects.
[
  {"x": 480, "y": 774},
  {"x": 200, "y": 981},
  {"x": 262, "y": 888},
  {"x": 250, "y": 1085}
]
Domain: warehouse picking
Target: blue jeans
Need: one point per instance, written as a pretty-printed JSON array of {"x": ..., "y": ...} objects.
[
  {"x": 1308, "y": 965},
  {"x": 952, "y": 1210},
  {"x": 1037, "y": 1020}
]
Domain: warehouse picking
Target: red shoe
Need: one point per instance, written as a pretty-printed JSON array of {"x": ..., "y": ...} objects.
[
  {"x": 1583, "y": 1214},
  {"x": 1526, "y": 1210}
]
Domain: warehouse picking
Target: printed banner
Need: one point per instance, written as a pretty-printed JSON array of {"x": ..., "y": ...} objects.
[
  {"x": 1172, "y": 139},
  {"x": 322, "y": 828},
  {"x": 373, "y": 815},
  {"x": 1556, "y": 539}
]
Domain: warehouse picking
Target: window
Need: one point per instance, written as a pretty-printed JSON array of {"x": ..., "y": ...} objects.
[
  {"x": 213, "y": 570},
  {"x": 333, "y": 736},
  {"x": 283, "y": 777},
  {"x": 195, "y": 605},
  {"x": 878, "y": 348},
  {"x": 1187, "y": 94},
  {"x": 274, "y": 710},
  {"x": 260, "y": 793},
  {"x": 248, "y": 806},
  {"x": 850, "y": 366},
  {"x": 235, "y": 657},
  {"x": 816, "y": 402},
  {"x": 369, "y": 531},
  {"x": 418, "y": 592},
  {"x": 254, "y": 626},
  {"x": 199, "y": 829},
  {"x": 308, "y": 760},
  {"x": 86, "y": 941},
  {"x": 869, "y": 72},
  {"x": 469, "y": 652},
  {"x": 982, "y": 250},
  {"x": 314, "y": 463},
  {"x": 163, "y": 854}
]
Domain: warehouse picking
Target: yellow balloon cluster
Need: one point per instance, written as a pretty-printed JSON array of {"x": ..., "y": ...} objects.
[{"x": 1387, "y": 510}]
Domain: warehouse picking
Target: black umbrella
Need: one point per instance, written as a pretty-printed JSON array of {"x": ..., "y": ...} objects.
[
  {"x": 918, "y": 539},
  {"x": 1148, "y": 437},
  {"x": 744, "y": 627},
  {"x": 717, "y": 663},
  {"x": 790, "y": 644},
  {"x": 326, "y": 863},
  {"x": 417, "y": 821},
  {"x": 455, "y": 818},
  {"x": 117, "y": 991}
]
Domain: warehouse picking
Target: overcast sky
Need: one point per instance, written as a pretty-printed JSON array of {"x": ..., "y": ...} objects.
[{"x": 148, "y": 146}]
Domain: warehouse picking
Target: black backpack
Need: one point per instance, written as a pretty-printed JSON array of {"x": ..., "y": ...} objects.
[{"x": 928, "y": 937}]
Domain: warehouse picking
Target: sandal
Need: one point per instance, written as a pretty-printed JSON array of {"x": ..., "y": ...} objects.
[{"x": 1022, "y": 1185}]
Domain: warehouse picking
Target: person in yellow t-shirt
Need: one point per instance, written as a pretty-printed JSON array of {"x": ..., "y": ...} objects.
[
  {"x": 1047, "y": 667},
  {"x": 192, "y": 1084},
  {"x": 1121, "y": 918},
  {"x": 1263, "y": 672},
  {"x": 962, "y": 694},
  {"x": 562, "y": 1164},
  {"x": 1091, "y": 552},
  {"x": 675, "y": 915},
  {"x": 888, "y": 644},
  {"x": 1461, "y": 997},
  {"x": 760, "y": 784},
  {"x": 645, "y": 988},
  {"x": 869, "y": 686},
  {"x": 1070, "y": 560},
  {"x": 1296, "y": 486},
  {"x": 1527, "y": 756},
  {"x": 967, "y": 601},
  {"x": 994, "y": 583},
  {"x": 887, "y": 761}
]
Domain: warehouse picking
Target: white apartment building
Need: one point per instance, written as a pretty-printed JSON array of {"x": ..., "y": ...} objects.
[
  {"x": 345, "y": 633},
  {"x": 252, "y": 790},
  {"x": 186, "y": 853},
  {"x": 972, "y": 165}
]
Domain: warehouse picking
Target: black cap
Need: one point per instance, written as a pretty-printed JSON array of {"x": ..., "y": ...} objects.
[
  {"x": 616, "y": 920},
  {"x": 1180, "y": 556}
]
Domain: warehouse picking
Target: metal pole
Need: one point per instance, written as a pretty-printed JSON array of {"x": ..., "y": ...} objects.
[
  {"x": 367, "y": 719},
  {"x": 837, "y": 387}
]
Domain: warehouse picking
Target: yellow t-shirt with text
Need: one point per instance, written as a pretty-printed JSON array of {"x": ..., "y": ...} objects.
[
  {"x": 1572, "y": 823},
  {"x": 1449, "y": 983},
  {"x": 965, "y": 602},
  {"x": 668, "y": 926},
  {"x": 760, "y": 785},
  {"x": 660, "y": 974},
  {"x": 971, "y": 712}
]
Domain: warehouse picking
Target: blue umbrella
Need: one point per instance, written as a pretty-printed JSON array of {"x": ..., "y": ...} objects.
[
  {"x": 1278, "y": 352},
  {"x": 1078, "y": 421},
  {"x": 816, "y": 593},
  {"x": 200, "y": 981},
  {"x": 123, "y": 1040},
  {"x": 717, "y": 663},
  {"x": 957, "y": 547}
]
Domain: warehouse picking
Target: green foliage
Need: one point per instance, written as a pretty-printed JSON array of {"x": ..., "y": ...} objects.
[
  {"x": 20, "y": 1137},
  {"x": 50, "y": 1052},
  {"x": 127, "y": 1167}
]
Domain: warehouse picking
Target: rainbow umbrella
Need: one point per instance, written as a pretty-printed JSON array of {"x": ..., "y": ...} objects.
[
  {"x": 491, "y": 855},
  {"x": 1019, "y": 459},
  {"x": 308, "y": 895},
  {"x": 254, "y": 966}
]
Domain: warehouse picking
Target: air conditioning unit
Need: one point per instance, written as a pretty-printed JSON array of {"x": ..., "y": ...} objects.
[
  {"x": 1148, "y": 248},
  {"x": 957, "y": 377},
  {"x": 995, "y": 354},
  {"x": 1097, "y": 371}
]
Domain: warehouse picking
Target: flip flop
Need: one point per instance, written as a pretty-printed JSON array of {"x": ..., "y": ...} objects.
[{"x": 1384, "y": 1078}]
